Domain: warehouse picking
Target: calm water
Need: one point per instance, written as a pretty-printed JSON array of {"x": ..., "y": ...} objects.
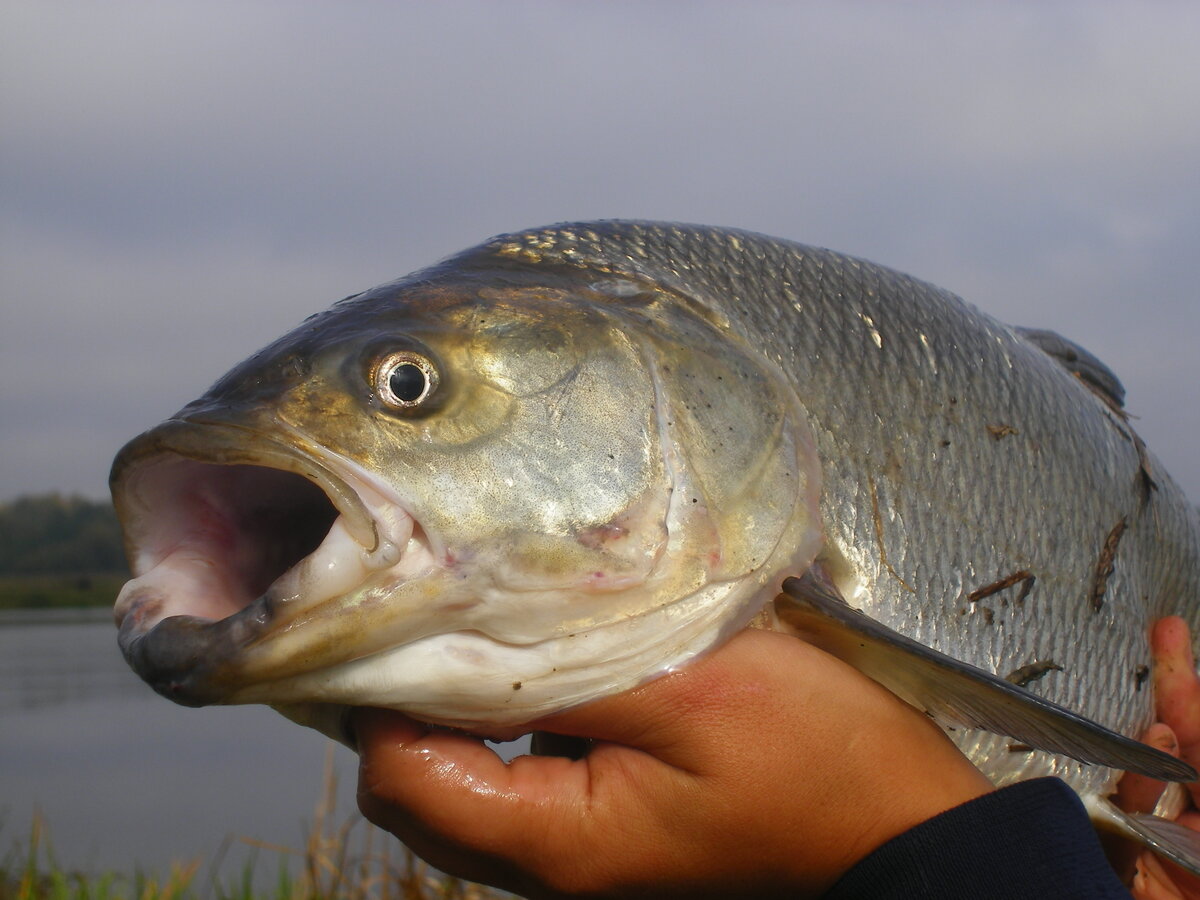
[{"x": 123, "y": 777}]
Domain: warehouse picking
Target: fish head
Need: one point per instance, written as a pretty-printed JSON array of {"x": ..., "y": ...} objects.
[{"x": 476, "y": 496}]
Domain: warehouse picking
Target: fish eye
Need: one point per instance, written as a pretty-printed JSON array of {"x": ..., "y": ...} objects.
[{"x": 404, "y": 380}]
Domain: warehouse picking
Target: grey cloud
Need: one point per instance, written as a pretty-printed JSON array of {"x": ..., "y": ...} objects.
[{"x": 184, "y": 181}]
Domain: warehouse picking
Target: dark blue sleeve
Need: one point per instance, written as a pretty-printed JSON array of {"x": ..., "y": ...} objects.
[{"x": 1030, "y": 840}]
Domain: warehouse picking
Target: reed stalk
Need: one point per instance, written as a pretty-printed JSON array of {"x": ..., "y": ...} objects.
[{"x": 338, "y": 860}]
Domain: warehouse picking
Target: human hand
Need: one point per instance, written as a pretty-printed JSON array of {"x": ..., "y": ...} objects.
[
  {"x": 1177, "y": 706},
  {"x": 766, "y": 768}
]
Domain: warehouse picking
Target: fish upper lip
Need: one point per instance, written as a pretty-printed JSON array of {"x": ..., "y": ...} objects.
[{"x": 226, "y": 443}]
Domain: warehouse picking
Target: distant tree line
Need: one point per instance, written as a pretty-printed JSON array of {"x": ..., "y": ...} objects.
[{"x": 49, "y": 534}]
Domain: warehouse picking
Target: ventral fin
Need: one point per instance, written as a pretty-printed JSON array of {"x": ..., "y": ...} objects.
[
  {"x": 1168, "y": 839},
  {"x": 954, "y": 692}
]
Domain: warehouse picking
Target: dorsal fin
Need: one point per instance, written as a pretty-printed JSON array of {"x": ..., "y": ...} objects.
[{"x": 1079, "y": 362}]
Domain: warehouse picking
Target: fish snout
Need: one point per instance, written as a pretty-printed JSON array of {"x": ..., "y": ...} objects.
[{"x": 181, "y": 657}]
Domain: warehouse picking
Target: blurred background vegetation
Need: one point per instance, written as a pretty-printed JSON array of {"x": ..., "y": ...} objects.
[{"x": 58, "y": 551}]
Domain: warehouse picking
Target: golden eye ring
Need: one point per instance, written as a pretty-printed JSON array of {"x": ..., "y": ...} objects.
[{"x": 405, "y": 380}]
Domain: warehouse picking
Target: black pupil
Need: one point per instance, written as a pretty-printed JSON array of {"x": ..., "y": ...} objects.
[{"x": 407, "y": 382}]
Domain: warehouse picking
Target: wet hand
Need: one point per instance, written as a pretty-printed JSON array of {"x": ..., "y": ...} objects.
[{"x": 766, "y": 768}]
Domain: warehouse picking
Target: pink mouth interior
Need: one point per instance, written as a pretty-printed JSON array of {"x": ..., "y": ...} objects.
[{"x": 209, "y": 539}]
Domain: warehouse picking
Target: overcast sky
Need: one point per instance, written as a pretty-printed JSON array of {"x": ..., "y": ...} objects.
[{"x": 183, "y": 181}]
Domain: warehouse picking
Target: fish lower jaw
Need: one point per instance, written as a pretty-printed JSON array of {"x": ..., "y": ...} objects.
[{"x": 491, "y": 683}]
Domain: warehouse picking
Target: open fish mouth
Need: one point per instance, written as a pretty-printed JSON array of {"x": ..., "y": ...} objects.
[{"x": 233, "y": 535}]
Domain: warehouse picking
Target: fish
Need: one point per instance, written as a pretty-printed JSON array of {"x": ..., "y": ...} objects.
[{"x": 570, "y": 459}]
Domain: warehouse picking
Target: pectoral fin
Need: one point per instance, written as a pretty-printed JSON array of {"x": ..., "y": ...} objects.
[{"x": 954, "y": 692}]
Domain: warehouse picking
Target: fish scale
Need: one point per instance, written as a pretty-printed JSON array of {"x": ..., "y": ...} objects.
[{"x": 862, "y": 371}]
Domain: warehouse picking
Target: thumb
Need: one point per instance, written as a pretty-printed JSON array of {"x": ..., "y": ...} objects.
[{"x": 461, "y": 808}]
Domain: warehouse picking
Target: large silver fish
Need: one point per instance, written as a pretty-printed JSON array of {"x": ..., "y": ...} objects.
[{"x": 555, "y": 465}]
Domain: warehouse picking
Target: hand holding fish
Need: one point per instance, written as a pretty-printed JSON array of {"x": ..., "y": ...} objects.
[{"x": 749, "y": 773}]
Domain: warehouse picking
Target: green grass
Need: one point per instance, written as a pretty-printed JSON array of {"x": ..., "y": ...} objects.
[
  {"x": 349, "y": 860},
  {"x": 59, "y": 591},
  {"x": 30, "y": 872}
]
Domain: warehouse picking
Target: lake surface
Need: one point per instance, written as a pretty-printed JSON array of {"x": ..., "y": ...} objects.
[{"x": 123, "y": 777}]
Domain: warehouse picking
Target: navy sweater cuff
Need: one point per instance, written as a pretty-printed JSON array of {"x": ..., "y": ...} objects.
[{"x": 1030, "y": 840}]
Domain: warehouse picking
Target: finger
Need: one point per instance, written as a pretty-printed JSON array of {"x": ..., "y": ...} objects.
[
  {"x": 1175, "y": 682},
  {"x": 1177, "y": 688},
  {"x": 1185, "y": 882},
  {"x": 1139, "y": 793},
  {"x": 442, "y": 794},
  {"x": 518, "y": 825},
  {"x": 1151, "y": 882},
  {"x": 1157, "y": 879}
]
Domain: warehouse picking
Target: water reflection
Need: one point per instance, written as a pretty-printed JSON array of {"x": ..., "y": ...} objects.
[
  {"x": 58, "y": 656},
  {"x": 122, "y": 777}
]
